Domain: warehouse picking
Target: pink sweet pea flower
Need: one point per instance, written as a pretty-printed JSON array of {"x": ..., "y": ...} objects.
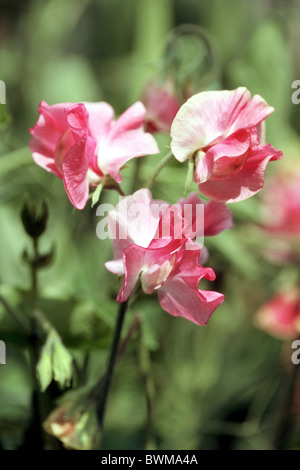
[
  {"x": 280, "y": 316},
  {"x": 83, "y": 144},
  {"x": 152, "y": 247},
  {"x": 280, "y": 214},
  {"x": 161, "y": 104},
  {"x": 281, "y": 205},
  {"x": 221, "y": 132}
]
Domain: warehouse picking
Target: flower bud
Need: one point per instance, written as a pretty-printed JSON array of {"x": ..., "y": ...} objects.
[{"x": 34, "y": 218}]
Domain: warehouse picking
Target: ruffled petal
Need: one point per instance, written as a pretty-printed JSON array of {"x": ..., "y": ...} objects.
[{"x": 246, "y": 182}]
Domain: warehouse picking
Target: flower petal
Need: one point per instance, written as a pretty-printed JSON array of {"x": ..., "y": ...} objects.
[
  {"x": 210, "y": 116},
  {"x": 246, "y": 182},
  {"x": 180, "y": 295},
  {"x": 225, "y": 158},
  {"x": 75, "y": 167}
]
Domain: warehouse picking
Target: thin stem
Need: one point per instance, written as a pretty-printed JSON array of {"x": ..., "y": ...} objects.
[
  {"x": 41, "y": 401},
  {"x": 145, "y": 370},
  {"x": 106, "y": 383},
  {"x": 33, "y": 267},
  {"x": 18, "y": 319},
  {"x": 282, "y": 430},
  {"x": 136, "y": 176},
  {"x": 164, "y": 162}
]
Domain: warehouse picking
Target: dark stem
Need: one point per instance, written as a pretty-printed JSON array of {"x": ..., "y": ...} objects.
[
  {"x": 34, "y": 273},
  {"x": 41, "y": 401},
  {"x": 106, "y": 383},
  {"x": 282, "y": 431}
]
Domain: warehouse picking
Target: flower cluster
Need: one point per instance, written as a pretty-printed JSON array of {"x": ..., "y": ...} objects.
[
  {"x": 222, "y": 132},
  {"x": 160, "y": 251}
]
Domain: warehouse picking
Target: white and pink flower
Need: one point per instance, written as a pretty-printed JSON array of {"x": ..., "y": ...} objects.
[
  {"x": 155, "y": 247},
  {"x": 223, "y": 132}
]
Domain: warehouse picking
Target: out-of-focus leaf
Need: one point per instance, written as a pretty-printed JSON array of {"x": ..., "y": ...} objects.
[{"x": 55, "y": 362}]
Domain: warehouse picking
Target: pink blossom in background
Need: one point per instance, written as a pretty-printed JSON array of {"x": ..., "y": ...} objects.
[
  {"x": 280, "y": 316},
  {"x": 281, "y": 204},
  {"x": 162, "y": 263},
  {"x": 82, "y": 143},
  {"x": 161, "y": 104},
  {"x": 223, "y": 132},
  {"x": 280, "y": 215}
]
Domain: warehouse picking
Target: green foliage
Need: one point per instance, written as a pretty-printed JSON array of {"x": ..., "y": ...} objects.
[{"x": 55, "y": 363}]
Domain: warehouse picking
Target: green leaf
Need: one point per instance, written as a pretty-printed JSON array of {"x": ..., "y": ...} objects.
[
  {"x": 44, "y": 366},
  {"x": 190, "y": 175},
  {"x": 55, "y": 363},
  {"x": 96, "y": 194}
]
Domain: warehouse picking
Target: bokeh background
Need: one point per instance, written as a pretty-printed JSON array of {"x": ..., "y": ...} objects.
[{"x": 217, "y": 387}]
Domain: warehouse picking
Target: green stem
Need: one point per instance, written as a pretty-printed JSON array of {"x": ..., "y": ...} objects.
[
  {"x": 164, "y": 162},
  {"x": 145, "y": 370},
  {"x": 106, "y": 382},
  {"x": 136, "y": 176}
]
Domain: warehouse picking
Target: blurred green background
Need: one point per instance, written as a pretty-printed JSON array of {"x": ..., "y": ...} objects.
[{"x": 214, "y": 387}]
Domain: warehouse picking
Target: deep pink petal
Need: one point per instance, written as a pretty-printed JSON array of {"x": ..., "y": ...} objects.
[
  {"x": 225, "y": 158},
  {"x": 216, "y": 216},
  {"x": 280, "y": 316},
  {"x": 161, "y": 106},
  {"x": 154, "y": 265},
  {"x": 75, "y": 167},
  {"x": 180, "y": 295},
  {"x": 245, "y": 183},
  {"x": 50, "y": 132}
]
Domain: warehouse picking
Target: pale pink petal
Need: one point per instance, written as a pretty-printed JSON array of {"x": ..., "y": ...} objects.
[
  {"x": 113, "y": 154},
  {"x": 133, "y": 221},
  {"x": 100, "y": 119},
  {"x": 75, "y": 167},
  {"x": 210, "y": 116},
  {"x": 246, "y": 182},
  {"x": 132, "y": 119}
]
